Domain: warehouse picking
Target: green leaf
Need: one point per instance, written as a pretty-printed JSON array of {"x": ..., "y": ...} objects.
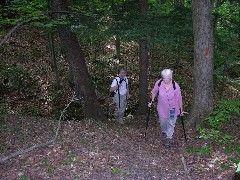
[{"x": 116, "y": 170}]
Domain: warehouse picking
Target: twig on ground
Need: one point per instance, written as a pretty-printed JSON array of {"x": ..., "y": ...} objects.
[
  {"x": 185, "y": 167},
  {"x": 20, "y": 152}
]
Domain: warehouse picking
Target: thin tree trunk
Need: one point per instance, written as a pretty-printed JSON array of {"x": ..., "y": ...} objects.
[
  {"x": 178, "y": 53},
  {"x": 118, "y": 47},
  {"x": 152, "y": 58},
  {"x": 53, "y": 57},
  {"x": 157, "y": 6},
  {"x": 117, "y": 38},
  {"x": 84, "y": 89},
  {"x": 203, "y": 61},
  {"x": 143, "y": 55}
]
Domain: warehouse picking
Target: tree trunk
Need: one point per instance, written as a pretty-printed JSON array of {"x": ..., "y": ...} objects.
[
  {"x": 84, "y": 89},
  {"x": 143, "y": 55},
  {"x": 118, "y": 47},
  {"x": 157, "y": 3},
  {"x": 54, "y": 60},
  {"x": 117, "y": 38},
  {"x": 203, "y": 62}
]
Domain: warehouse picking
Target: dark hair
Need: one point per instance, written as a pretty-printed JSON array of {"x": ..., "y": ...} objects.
[{"x": 121, "y": 69}]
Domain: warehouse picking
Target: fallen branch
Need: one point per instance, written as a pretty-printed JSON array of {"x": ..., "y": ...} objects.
[
  {"x": 8, "y": 34},
  {"x": 185, "y": 167},
  {"x": 42, "y": 144}
]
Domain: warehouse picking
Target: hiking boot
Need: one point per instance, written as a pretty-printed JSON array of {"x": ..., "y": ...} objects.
[
  {"x": 168, "y": 143},
  {"x": 164, "y": 137}
]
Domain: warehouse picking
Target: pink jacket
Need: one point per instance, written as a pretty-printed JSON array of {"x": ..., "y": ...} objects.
[{"x": 167, "y": 99}]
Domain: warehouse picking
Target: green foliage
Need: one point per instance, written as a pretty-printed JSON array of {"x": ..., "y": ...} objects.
[
  {"x": 4, "y": 148},
  {"x": 70, "y": 159},
  {"x": 225, "y": 111},
  {"x": 205, "y": 149},
  {"x": 33, "y": 11},
  {"x": 15, "y": 78},
  {"x": 235, "y": 160},
  {"x": 238, "y": 148},
  {"x": 18, "y": 11},
  {"x": 226, "y": 23},
  {"x": 98, "y": 21},
  {"x": 116, "y": 170},
  {"x": 23, "y": 177},
  {"x": 207, "y": 134}
]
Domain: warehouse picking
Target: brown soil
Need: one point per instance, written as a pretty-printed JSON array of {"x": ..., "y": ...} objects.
[{"x": 93, "y": 150}]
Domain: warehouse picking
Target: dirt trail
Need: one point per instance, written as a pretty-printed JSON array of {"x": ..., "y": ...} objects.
[{"x": 87, "y": 150}]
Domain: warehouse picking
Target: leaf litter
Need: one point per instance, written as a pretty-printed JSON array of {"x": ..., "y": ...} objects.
[{"x": 95, "y": 150}]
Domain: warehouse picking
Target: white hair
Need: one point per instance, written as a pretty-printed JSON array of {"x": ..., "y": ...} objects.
[{"x": 167, "y": 72}]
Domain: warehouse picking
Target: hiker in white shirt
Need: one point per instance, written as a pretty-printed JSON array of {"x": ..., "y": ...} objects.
[{"x": 120, "y": 92}]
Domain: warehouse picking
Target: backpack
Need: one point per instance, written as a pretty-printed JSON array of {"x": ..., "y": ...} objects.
[{"x": 173, "y": 83}]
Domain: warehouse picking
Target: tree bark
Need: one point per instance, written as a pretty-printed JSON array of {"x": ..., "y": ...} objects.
[
  {"x": 143, "y": 55},
  {"x": 54, "y": 60},
  {"x": 118, "y": 47},
  {"x": 84, "y": 89},
  {"x": 203, "y": 62}
]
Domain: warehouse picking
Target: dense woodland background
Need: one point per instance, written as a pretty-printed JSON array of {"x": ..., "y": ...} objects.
[{"x": 58, "y": 52}]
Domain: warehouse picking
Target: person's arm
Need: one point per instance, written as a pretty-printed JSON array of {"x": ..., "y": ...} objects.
[
  {"x": 179, "y": 96},
  {"x": 152, "y": 100},
  {"x": 114, "y": 86},
  {"x": 153, "y": 97},
  {"x": 154, "y": 94}
]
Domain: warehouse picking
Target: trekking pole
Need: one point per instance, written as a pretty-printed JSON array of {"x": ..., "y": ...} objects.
[
  {"x": 184, "y": 131},
  {"x": 118, "y": 97},
  {"x": 147, "y": 120},
  {"x": 120, "y": 82}
]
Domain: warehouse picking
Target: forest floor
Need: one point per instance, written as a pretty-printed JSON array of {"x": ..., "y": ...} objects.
[{"x": 96, "y": 150}]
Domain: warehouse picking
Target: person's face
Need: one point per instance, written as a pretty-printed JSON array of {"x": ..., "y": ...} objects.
[
  {"x": 122, "y": 74},
  {"x": 166, "y": 79}
]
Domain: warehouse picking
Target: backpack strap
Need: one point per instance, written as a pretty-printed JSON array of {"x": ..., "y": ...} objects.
[
  {"x": 160, "y": 82},
  {"x": 117, "y": 84},
  {"x": 123, "y": 80},
  {"x": 116, "y": 80},
  {"x": 173, "y": 83}
]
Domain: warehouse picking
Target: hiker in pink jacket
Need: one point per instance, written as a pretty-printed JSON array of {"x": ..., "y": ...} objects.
[{"x": 169, "y": 104}]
